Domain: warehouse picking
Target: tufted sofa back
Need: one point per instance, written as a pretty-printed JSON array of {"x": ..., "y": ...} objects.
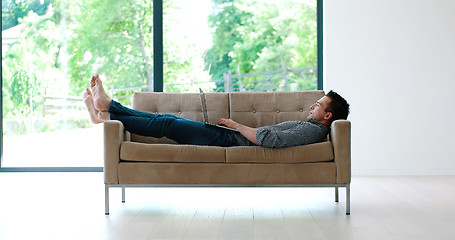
[
  {"x": 186, "y": 105},
  {"x": 251, "y": 109},
  {"x": 261, "y": 109}
]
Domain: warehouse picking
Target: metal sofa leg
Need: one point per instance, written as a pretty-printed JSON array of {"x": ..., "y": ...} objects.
[
  {"x": 123, "y": 194},
  {"x": 348, "y": 199},
  {"x": 336, "y": 194},
  {"x": 106, "y": 199}
]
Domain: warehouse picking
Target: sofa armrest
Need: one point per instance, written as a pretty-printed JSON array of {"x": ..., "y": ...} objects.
[
  {"x": 114, "y": 134},
  {"x": 340, "y": 134}
]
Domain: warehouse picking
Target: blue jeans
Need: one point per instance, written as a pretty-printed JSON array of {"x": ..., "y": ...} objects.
[{"x": 181, "y": 130}]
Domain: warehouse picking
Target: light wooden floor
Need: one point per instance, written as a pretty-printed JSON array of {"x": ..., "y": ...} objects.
[{"x": 71, "y": 206}]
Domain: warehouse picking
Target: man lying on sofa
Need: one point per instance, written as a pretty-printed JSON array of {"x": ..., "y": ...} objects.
[{"x": 184, "y": 131}]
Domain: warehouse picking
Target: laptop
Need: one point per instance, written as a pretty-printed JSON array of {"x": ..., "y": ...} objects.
[{"x": 205, "y": 117}]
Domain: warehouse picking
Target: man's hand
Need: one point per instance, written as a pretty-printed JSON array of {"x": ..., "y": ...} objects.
[
  {"x": 229, "y": 123},
  {"x": 248, "y": 132}
]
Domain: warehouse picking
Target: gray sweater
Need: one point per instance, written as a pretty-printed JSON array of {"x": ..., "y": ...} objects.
[{"x": 288, "y": 134}]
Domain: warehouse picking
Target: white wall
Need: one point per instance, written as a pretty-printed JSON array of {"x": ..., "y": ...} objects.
[{"x": 394, "y": 61}]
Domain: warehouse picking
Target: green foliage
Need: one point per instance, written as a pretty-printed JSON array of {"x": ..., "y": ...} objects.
[
  {"x": 29, "y": 64},
  {"x": 256, "y": 36},
  {"x": 13, "y": 10},
  {"x": 22, "y": 89},
  {"x": 113, "y": 39},
  {"x": 227, "y": 21}
]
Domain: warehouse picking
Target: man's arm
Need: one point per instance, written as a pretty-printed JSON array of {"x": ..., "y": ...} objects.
[{"x": 248, "y": 132}]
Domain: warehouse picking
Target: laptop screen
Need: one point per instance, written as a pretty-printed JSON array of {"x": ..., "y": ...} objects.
[{"x": 205, "y": 117}]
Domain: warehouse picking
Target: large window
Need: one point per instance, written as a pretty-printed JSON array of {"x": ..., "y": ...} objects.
[
  {"x": 240, "y": 45},
  {"x": 50, "y": 49}
]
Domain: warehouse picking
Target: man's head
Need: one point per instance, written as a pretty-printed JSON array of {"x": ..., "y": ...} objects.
[{"x": 329, "y": 108}]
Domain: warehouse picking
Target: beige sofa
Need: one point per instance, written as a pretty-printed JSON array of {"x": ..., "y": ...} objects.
[{"x": 135, "y": 161}]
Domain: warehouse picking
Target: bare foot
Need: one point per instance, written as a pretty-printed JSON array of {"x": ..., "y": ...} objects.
[
  {"x": 100, "y": 98},
  {"x": 94, "y": 114},
  {"x": 103, "y": 116}
]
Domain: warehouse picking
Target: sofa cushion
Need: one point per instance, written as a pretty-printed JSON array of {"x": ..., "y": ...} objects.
[
  {"x": 318, "y": 152},
  {"x": 141, "y": 152}
]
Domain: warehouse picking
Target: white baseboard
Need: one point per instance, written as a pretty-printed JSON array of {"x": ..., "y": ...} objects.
[{"x": 403, "y": 172}]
